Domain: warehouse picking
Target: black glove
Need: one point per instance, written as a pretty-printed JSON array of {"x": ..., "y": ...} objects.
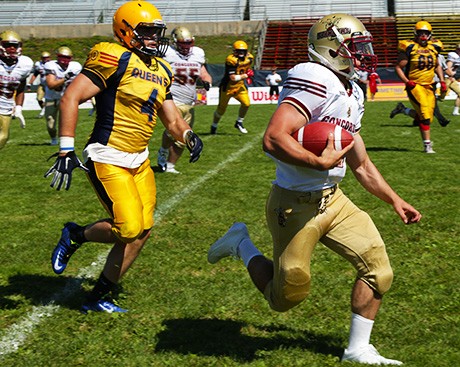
[
  {"x": 62, "y": 169},
  {"x": 194, "y": 145},
  {"x": 206, "y": 85},
  {"x": 69, "y": 75}
]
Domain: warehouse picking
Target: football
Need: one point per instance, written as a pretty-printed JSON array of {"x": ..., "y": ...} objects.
[{"x": 313, "y": 136}]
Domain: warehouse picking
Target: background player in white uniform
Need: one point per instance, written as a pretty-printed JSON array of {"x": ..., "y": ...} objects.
[
  {"x": 14, "y": 70},
  {"x": 453, "y": 63},
  {"x": 273, "y": 80},
  {"x": 306, "y": 205},
  {"x": 59, "y": 74},
  {"x": 188, "y": 64},
  {"x": 39, "y": 71}
]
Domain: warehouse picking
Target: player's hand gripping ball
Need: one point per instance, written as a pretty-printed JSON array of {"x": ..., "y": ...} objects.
[{"x": 313, "y": 136}]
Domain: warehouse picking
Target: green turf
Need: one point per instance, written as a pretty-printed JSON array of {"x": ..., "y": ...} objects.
[
  {"x": 216, "y": 47},
  {"x": 186, "y": 312}
]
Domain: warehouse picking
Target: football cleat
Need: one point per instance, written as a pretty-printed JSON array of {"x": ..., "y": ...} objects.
[
  {"x": 213, "y": 130},
  {"x": 240, "y": 127},
  {"x": 171, "y": 169},
  {"x": 369, "y": 355},
  {"x": 428, "y": 148},
  {"x": 398, "y": 109},
  {"x": 228, "y": 244},
  {"x": 64, "y": 249},
  {"x": 444, "y": 122},
  {"x": 102, "y": 306}
]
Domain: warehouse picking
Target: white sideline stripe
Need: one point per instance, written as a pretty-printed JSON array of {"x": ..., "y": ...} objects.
[{"x": 16, "y": 334}]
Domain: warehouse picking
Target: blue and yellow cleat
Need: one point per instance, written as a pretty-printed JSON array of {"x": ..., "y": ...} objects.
[{"x": 64, "y": 249}]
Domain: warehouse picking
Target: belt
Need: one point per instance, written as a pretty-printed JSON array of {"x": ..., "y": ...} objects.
[{"x": 304, "y": 197}]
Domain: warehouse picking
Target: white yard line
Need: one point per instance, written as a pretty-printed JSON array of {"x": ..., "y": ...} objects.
[{"x": 16, "y": 334}]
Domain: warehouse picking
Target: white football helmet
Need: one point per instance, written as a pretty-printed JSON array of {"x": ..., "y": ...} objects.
[
  {"x": 342, "y": 43},
  {"x": 182, "y": 40},
  {"x": 10, "y": 46}
]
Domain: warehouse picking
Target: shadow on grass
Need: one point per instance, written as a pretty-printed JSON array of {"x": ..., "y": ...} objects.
[
  {"x": 41, "y": 290},
  {"x": 213, "y": 337}
]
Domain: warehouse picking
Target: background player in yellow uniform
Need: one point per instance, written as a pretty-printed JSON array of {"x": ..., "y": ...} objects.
[
  {"x": 417, "y": 65},
  {"x": 131, "y": 83},
  {"x": 237, "y": 70}
]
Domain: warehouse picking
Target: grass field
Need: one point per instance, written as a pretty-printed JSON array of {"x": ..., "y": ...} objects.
[{"x": 186, "y": 312}]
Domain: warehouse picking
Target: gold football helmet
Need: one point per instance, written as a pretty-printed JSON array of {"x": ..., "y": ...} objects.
[
  {"x": 422, "y": 32},
  {"x": 182, "y": 40},
  {"x": 240, "y": 49},
  {"x": 137, "y": 21},
  {"x": 64, "y": 56},
  {"x": 10, "y": 45},
  {"x": 45, "y": 56},
  {"x": 342, "y": 43}
]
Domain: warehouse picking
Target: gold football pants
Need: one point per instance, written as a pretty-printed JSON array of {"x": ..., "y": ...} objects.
[
  {"x": 297, "y": 225},
  {"x": 240, "y": 94},
  {"x": 128, "y": 195}
]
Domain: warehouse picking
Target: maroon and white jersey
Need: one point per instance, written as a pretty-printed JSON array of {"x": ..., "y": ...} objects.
[
  {"x": 317, "y": 93},
  {"x": 10, "y": 79},
  {"x": 187, "y": 69},
  {"x": 454, "y": 57},
  {"x": 53, "y": 67}
]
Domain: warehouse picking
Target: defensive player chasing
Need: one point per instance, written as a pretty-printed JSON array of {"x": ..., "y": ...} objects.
[
  {"x": 305, "y": 205},
  {"x": 14, "y": 70},
  {"x": 237, "y": 70},
  {"x": 188, "y": 64},
  {"x": 417, "y": 64},
  {"x": 131, "y": 83}
]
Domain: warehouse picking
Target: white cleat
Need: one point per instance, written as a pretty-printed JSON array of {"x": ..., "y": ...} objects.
[
  {"x": 227, "y": 245},
  {"x": 240, "y": 127},
  {"x": 369, "y": 355}
]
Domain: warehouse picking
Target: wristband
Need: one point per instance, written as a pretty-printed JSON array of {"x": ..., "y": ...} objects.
[
  {"x": 237, "y": 78},
  {"x": 66, "y": 143}
]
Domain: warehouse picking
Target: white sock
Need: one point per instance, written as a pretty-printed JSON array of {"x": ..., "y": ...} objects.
[
  {"x": 240, "y": 120},
  {"x": 360, "y": 331},
  {"x": 455, "y": 109},
  {"x": 247, "y": 250}
]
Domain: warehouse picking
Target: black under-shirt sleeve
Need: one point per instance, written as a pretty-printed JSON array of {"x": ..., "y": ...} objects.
[{"x": 94, "y": 78}]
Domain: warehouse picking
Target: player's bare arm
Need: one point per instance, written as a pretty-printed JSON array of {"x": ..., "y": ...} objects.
[
  {"x": 172, "y": 120},
  {"x": 80, "y": 90},
  {"x": 279, "y": 143},
  {"x": 53, "y": 82},
  {"x": 372, "y": 180}
]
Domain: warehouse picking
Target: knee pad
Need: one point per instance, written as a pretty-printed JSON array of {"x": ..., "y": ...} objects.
[
  {"x": 129, "y": 231},
  {"x": 292, "y": 289},
  {"x": 379, "y": 276}
]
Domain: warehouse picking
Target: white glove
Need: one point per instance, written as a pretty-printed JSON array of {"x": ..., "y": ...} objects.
[{"x": 18, "y": 114}]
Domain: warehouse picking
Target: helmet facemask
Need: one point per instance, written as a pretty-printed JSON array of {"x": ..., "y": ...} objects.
[
  {"x": 423, "y": 37},
  {"x": 10, "y": 47},
  {"x": 343, "y": 46},
  {"x": 183, "y": 41},
  {"x": 145, "y": 32}
]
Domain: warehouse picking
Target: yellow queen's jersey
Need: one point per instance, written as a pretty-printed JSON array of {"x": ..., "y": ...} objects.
[
  {"x": 131, "y": 95},
  {"x": 422, "y": 60},
  {"x": 233, "y": 65}
]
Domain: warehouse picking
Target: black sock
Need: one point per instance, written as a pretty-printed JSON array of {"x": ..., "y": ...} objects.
[
  {"x": 78, "y": 235},
  {"x": 102, "y": 288}
]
